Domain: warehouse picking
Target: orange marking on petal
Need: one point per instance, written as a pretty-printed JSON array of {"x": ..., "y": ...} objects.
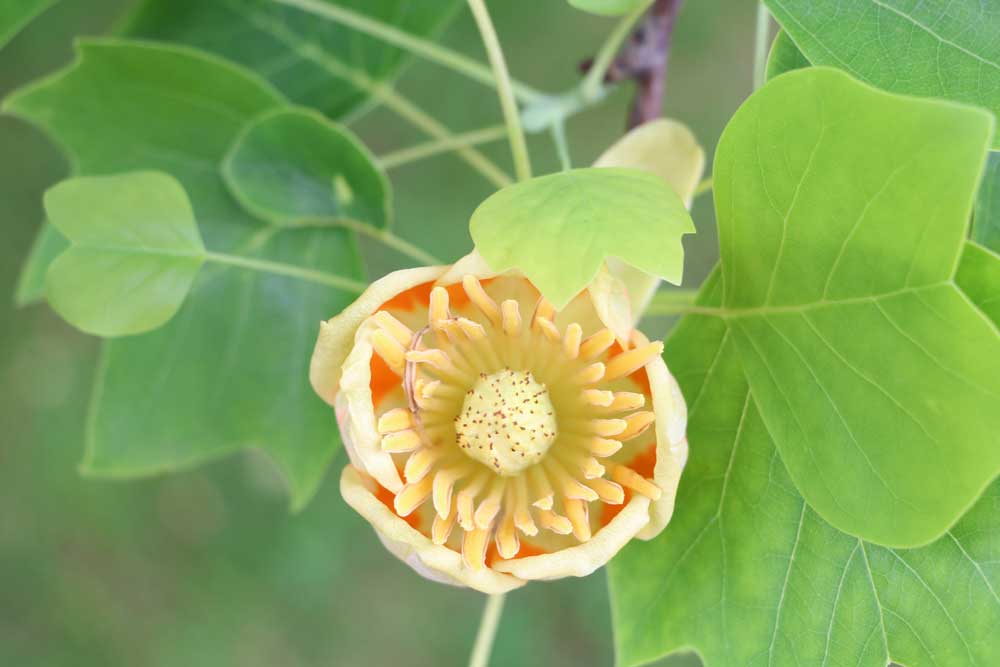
[
  {"x": 644, "y": 463},
  {"x": 388, "y": 498},
  {"x": 383, "y": 381},
  {"x": 525, "y": 551}
]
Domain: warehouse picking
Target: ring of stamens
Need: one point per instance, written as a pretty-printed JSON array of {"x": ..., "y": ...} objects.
[{"x": 507, "y": 429}]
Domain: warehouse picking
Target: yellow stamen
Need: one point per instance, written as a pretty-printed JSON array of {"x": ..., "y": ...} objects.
[
  {"x": 412, "y": 496},
  {"x": 596, "y": 344},
  {"x": 607, "y": 428},
  {"x": 438, "y": 313},
  {"x": 626, "y": 400},
  {"x": 603, "y": 447},
  {"x": 633, "y": 480},
  {"x": 397, "y": 419},
  {"x": 474, "y": 331},
  {"x": 400, "y": 442},
  {"x": 522, "y": 513},
  {"x": 566, "y": 484},
  {"x": 481, "y": 299},
  {"x": 444, "y": 484},
  {"x": 579, "y": 517},
  {"x": 571, "y": 340},
  {"x": 629, "y": 362},
  {"x": 599, "y": 398},
  {"x": 442, "y": 526},
  {"x": 591, "y": 374},
  {"x": 466, "y": 500},
  {"x": 474, "y": 548},
  {"x": 543, "y": 310},
  {"x": 394, "y": 327},
  {"x": 549, "y": 520},
  {"x": 607, "y": 491},
  {"x": 390, "y": 350},
  {"x": 436, "y": 358},
  {"x": 541, "y": 489},
  {"x": 490, "y": 506},
  {"x": 511, "y": 317},
  {"x": 548, "y": 328},
  {"x": 637, "y": 422},
  {"x": 421, "y": 462}
]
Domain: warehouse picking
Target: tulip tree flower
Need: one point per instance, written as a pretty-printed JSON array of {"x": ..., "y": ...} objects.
[{"x": 494, "y": 440}]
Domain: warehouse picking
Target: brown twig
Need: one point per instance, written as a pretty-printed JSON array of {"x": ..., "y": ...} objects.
[{"x": 644, "y": 59}]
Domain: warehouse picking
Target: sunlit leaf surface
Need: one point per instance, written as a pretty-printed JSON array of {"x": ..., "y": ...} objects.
[
  {"x": 931, "y": 49},
  {"x": 559, "y": 228}
]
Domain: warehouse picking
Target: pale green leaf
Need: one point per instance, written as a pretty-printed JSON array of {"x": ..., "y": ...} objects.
[
  {"x": 784, "y": 56},
  {"x": 747, "y": 573},
  {"x": 842, "y": 213},
  {"x": 15, "y": 14},
  {"x": 49, "y": 243},
  {"x": 314, "y": 62},
  {"x": 134, "y": 251},
  {"x": 559, "y": 229},
  {"x": 294, "y": 165},
  {"x": 931, "y": 49},
  {"x": 986, "y": 219},
  {"x": 229, "y": 371},
  {"x": 607, "y": 7}
]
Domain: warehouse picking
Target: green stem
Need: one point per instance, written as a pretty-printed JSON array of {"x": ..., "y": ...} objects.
[
  {"x": 279, "y": 269},
  {"x": 390, "y": 240},
  {"x": 431, "y": 148},
  {"x": 487, "y": 631},
  {"x": 593, "y": 83},
  {"x": 390, "y": 34},
  {"x": 761, "y": 45},
  {"x": 562, "y": 146},
  {"x": 382, "y": 92},
  {"x": 511, "y": 114}
]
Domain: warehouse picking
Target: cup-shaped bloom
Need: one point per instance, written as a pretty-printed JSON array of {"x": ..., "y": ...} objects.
[{"x": 492, "y": 439}]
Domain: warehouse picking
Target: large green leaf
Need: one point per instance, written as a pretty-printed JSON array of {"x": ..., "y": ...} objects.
[
  {"x": 978, "y": 276},
  {"x": 931, "y": 49},
  {"x": 313, "y": 62},
  {"x": 294, "y": 165},
  {"x": 559, "y": 229},
  {"x": 842, "y": 213},
  {"x": 748, "y": 574},
  {"x": 135, "y": 250},
  {"x": 230, "y": 369},
  {"x": 15, "y": 14},
  {"x": 986, "y": 219}
]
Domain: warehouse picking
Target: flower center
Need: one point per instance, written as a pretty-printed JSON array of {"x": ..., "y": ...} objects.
[
  {"x": 507, "y": 421},
  {"x": 511, "y": 426}
]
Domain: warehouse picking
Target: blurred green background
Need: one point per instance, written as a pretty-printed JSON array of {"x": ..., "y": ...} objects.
[{"x": 207, "y": 567}]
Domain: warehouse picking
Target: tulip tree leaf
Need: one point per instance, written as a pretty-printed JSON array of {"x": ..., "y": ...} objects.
[
  {"x": 559, "y": 229},
  {"x": 293, "y": 165},
  {"x": 930, "y": 49},
  {"x": 784, "y": 56},
  {"x": 607, "y": 7},
  {"x": 978, "y": 276},
  {"x": 135, "y": 250},
  {"x": 986, "y": 219},
  {"x": 313, "y": 61},
  {"x": 229, "y": 371},
  {"x": 15, "y": 14},
  {"x": 747, "y": 573},
  {"x": 876, "y": 377}
]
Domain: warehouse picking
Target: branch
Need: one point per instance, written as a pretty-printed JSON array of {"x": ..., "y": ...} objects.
[{"x": 644, "y": 59}]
